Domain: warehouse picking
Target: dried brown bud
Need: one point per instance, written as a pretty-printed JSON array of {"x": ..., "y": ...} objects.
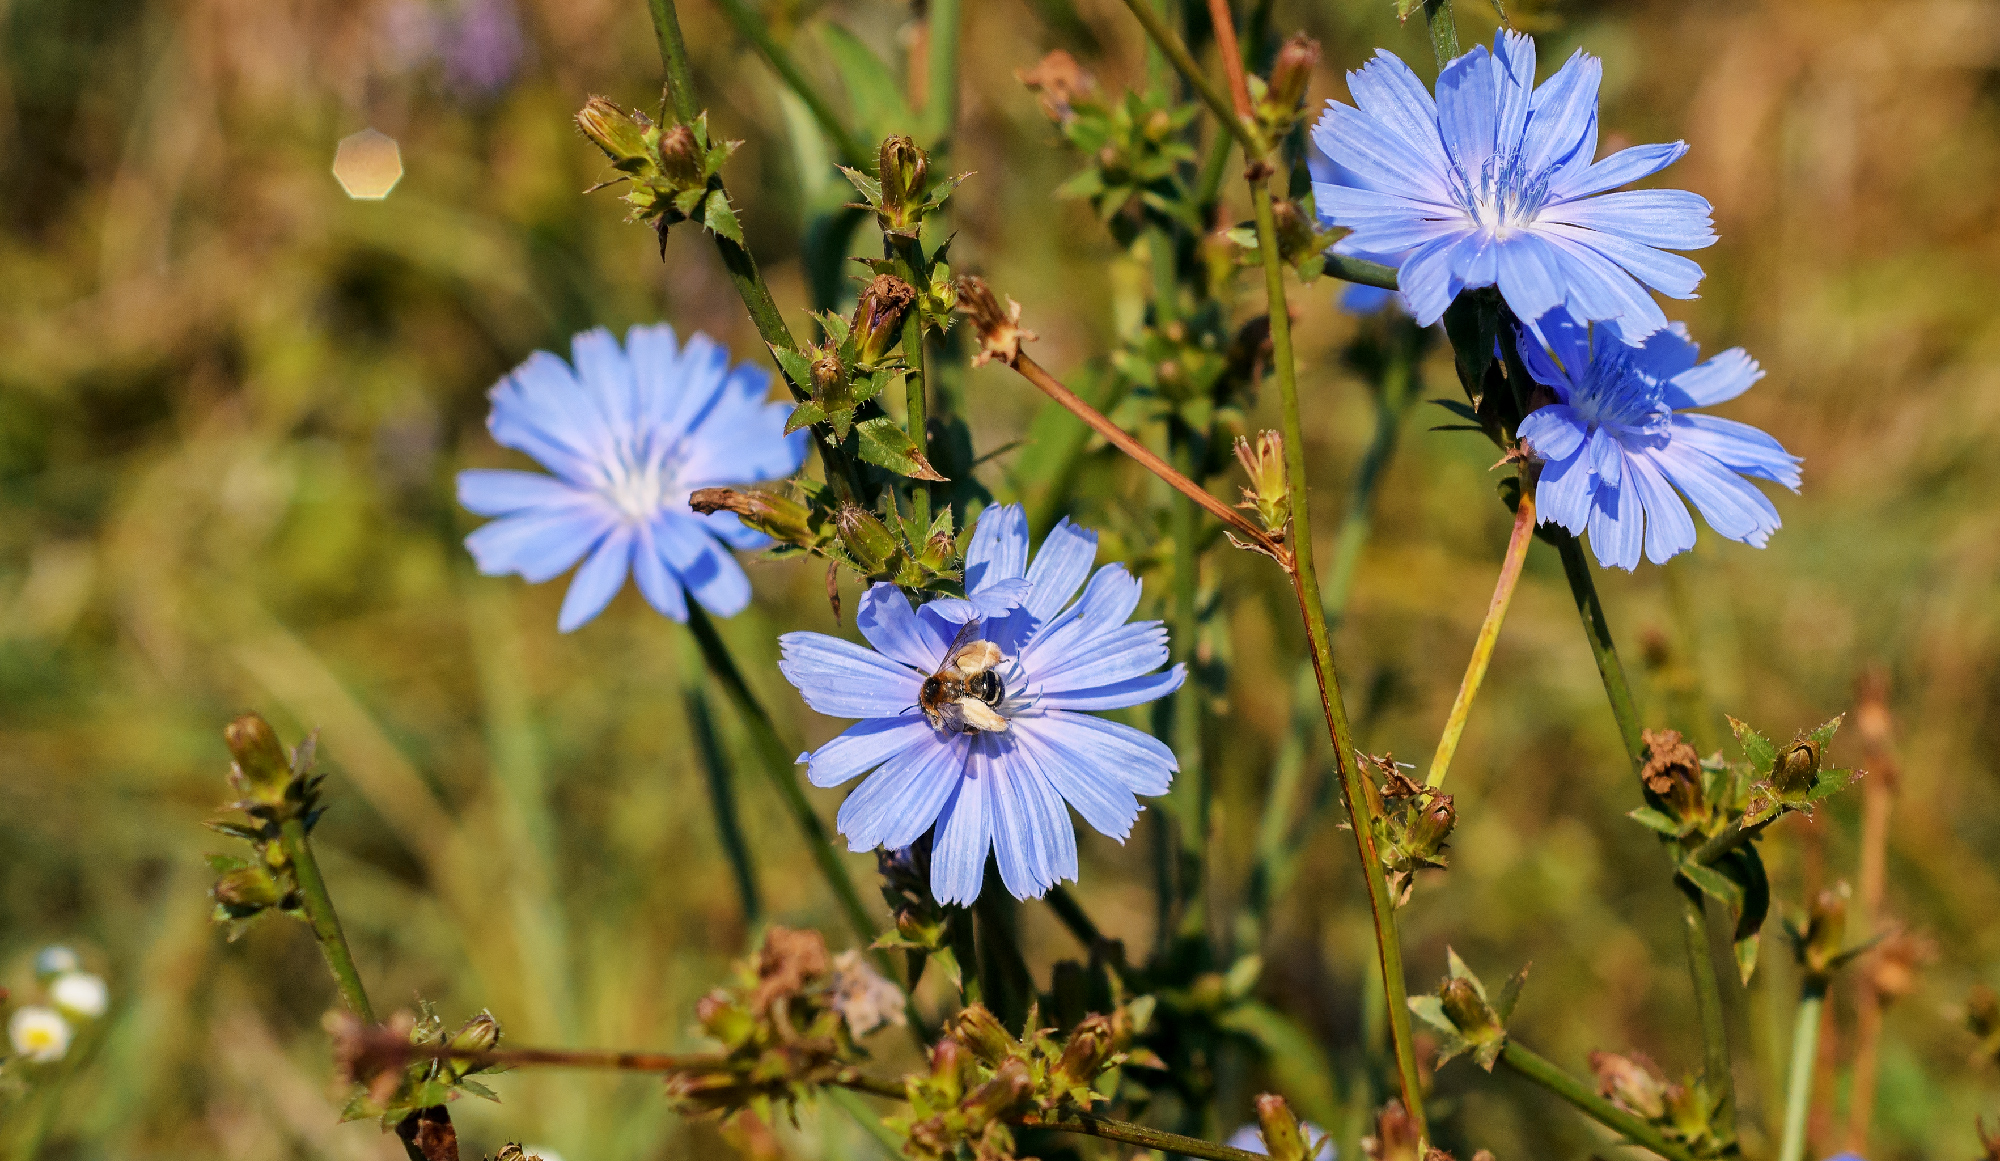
[
  {"x": 1464, "y": 1006},
  {"x": 1000, "y": 331},
  {"x": 680, "y": 157},
  {"x": 1396, "y": 1135},
  {"x": 878, "y": 316},
  {"x": 1673, "y": 772},
  {"x": 787, "y": 962},
  {"x": 1292, "y": 71},
  {"x": 1089, "y": 1047},
  {"x": 779, "y": 517},
  {"x": 1000, "y": 1095},
  {"x": 979, "y": 1030},
  {"x": 1057, "y": 81}
]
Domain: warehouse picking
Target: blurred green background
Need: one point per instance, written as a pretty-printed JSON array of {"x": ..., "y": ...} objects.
[{"x": 232, "y": 401}]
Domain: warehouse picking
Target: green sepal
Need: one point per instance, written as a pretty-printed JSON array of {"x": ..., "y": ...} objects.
[
  {"x": 720, "y": 218},
  {"x": 1657, "y": 820},
  {"x": 1756, "y": 747},
  {"x": 804, "y": 415},
  {"x": 1714, "y": 884}
]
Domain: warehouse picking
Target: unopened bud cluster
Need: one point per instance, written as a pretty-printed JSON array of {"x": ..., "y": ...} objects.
[
  {"x": 904, "y": 191},
  {"x": 1135, "y": 146},
  {"x": 785, "y": 1026},
  {"x": 1684, "y": 1112},
  {"x": 410, "y": 1062},
  {"x": 672, "y": 170},
  {"x": 1465, "y": 1018},
  {"x": 1411, "y": 824},
  {"x": 274, "y": 788}
]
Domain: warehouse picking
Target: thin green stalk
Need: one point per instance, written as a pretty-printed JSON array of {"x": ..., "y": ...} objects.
[
  {"x": 1177, "y": 54},
  {"x": 1581, "y": 587},
  {"x": 1361, "y": 271},
  {"x": 325, "y": 922},
  {"x": 757, "y": 30},
  {"x": 848, "y": 1101},
  {"x": 1489, "y": 635},
  {"x": 1127, "y": 1133},
  {"x": 1805, "y": 1054},
  {"x": 737, "y": 260},
  {"x": 1305, "y": 582},
  {"x": 722, "y": 796},
  {"x": 1708, "y": 1006},
  {"x": 914, "y": 400},
  {"x": 941, "y": 107},
  {"x": 783, "y": 771},
  {"x": 1442, "y": 24},
  {"x": 1531, "y": 1066}
]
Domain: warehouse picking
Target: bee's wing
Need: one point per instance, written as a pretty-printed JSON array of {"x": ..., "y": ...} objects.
[{"x": 965, "y": 633}]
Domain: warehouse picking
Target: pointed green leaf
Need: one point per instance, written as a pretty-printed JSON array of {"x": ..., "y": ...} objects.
[
  {"x": 1657, "y": 820},
  {"x": 869, "y": 187},
  {"x": 1713, "y": 883},
  {"x": 1430, "y": 1010},
  {"x": 687, "y": 200},
  {"x": 1462, "y": 410},
  {"x": 717, "y": 215},
  {"x": 1824, "y": 734},
  {"x": 804, "y": 415},
  {"x": 796, "y": 367},
  {"x": 1756, "y": 747},
  {"x": 1511, "y": 992},
  {"x": 884, "y": 443},
  {"x": 1746, "y": 957}
]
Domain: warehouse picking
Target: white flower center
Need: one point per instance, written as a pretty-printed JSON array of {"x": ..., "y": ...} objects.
[{"x": 639, "y": 484}]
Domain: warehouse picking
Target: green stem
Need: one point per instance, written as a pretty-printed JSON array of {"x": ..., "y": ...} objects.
[
  {"x": 737, "y": 260},
  {"x": 318, "y": 905},
  {"x": 1489, "y": 636},
  {"x": 1533, "y": 1067},
  {"x": 1442, "y": 24},
  {"x": 1127, "y": 1133},
  {"x": 722, "y": 796},
  {"x": 783, "y": 771},
  {"x": 757, "y": 30},
  {"x": 1177, "y": 54},
  {"x": 1305, "y": 583},
  {"x": 941, "y": 108},
  {"x": 915, "y": 399},
  {"x": 1602, "y": 647},
  {"x": 1805, "y": 1054},
  {"x": 1708, "y": 1006},
  {"x": 848, "y": 1101},
  {"x": 1361, "y": 271}
]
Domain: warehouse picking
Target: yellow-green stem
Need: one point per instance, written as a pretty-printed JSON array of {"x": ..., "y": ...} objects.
[
  {"x": 1805, "y": 1054},
  {"x": 318, "y": 906},
  {"x": 1489, "y": 634},
  {"x": 1305, "y": 583}
]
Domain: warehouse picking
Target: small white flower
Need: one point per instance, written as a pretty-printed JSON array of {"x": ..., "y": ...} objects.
[
  {"x": 38, "y": 1034},
  {"x": 80, "y": 994},
  {"x": 862, "y": 996},
  {"x": 54, "y": 960}
]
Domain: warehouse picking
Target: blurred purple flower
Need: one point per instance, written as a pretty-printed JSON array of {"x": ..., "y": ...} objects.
[
  {"x": 628, "y": 435},
  {"x": 1493, "y": 183},
  {"x": 994, "y": 781},
  {"x": 1620, "y": 440},
  {"x": 477, "y": 44}
]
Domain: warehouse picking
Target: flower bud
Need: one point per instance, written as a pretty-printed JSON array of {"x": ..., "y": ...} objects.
[
  {"x": 1268, "y": 494},
  {"x": 1282, "y": 1139},
  {"x": 247, "y": 890},
  {"x": 1797, "y": 768},
  {"x": 260, "y": 761},
  {"x": 1432, "y": 827},
  {"x": 778, "y": 516},
  {"x": 905, "y": 173},
  {"x": 828, "y": 376},
  {"x": 1089, "y": 1047},
  {"x": 1000, "y": 1095},
  {"x": 479, "y": 1034},
  {"x": 1464, "y": 1006},
  {"x": 1296, "y": 231},
  {"x": 620, "y": 133},
  {"x": 866, "y": 539},
  {"x": 878, "y": 316},
  {"x": 680, "y": 158},
  {"x": 981, "y": 1032},
  {"x": 1396, "y": 1138},
  {"x": 1291, "y": 73}
]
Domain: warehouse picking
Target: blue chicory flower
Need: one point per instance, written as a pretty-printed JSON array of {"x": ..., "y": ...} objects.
[
  {"x": 1494, "y": 184},
  {"x": 993, "y": 781},
  {"x": 1619, "y": 440},
  {"x": 629, "y": 434}
]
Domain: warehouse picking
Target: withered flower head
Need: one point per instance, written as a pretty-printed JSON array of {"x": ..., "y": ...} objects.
[
  {"x": 1396, "y": 1137},
  {"x": 1000, "y": 330},
  {"x": 788, "y": 961},
  {"x": 1634, "y": 1083},
  {"x": 1672, "y": 771},
  {"x": 1057, "y": 81}
]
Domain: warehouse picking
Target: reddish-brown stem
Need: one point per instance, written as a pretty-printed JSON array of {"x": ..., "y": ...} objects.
[
  {"x": 1878, "y": 798},
  {"x": 1232, "y": 57},
  {"x": 1050, "y": 386}
]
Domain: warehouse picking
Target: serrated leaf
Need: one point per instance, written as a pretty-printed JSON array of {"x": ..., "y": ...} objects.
[
  {"x": 948, "y": 964},
  {"x": 882, "y": 441},
  {"x": 467, "y": 1084},
  {"x": 1831, "y": 782},
  {"x": 868, "y": 186},
  {"x": 717, "y": 215},
  {"x": 796, "y": 367},
  {"x": 1657, "y": 820},
  {"x": 1714, "y": 884},
  {"x": 872, "y": 87},
  {"x": 686, "y": 200},
  {"x": 1756, "y": 747},
  {"x": 1824, "y": 734}
]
